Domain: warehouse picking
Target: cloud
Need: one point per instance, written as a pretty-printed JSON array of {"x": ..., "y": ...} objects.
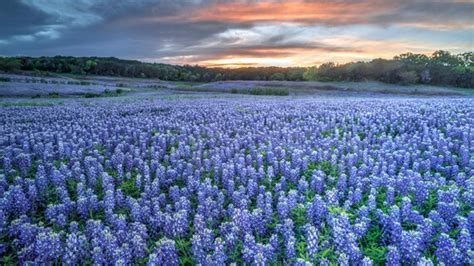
[
  {"x": 215, "y": 32},
  {"x": 427, "y": 14},
  {"x": 72, "y": 12}
]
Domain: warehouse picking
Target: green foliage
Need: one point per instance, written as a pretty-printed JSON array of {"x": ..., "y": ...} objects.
[
  {"x": 277, "y": 76},
  {"x": 311, "y": 73},
  {"x": 326, "y": 167},
  {"x": 19, "y": 104},
  {"x": 441, "y": 68},
  {"x": 9, "y": 64},
  {"x": 128, "y": 187},
  {"x": 372, "y": 246},
  {"x": 91, "y": 95},
  {"x": 54, "y": 95},
  {"x": 262, "y": 91},
  {"x": 408, "y": 77},
  {"x": 185, "y": 253}
]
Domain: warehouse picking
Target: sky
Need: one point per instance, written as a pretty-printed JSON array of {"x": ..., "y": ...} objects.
[{"x": 229, "y": 33}]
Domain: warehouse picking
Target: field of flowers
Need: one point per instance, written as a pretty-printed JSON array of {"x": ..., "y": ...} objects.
[{"x": 246, "y": 181}]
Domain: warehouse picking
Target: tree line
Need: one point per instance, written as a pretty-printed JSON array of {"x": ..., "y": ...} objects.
[{"x": 440, "y": 68}]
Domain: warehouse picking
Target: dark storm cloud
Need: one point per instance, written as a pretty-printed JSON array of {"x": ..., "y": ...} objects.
[
  {"x": 106, "y": 28},
  {"x": 430, "y": 14},
  {"x": 17, "y": 18}
]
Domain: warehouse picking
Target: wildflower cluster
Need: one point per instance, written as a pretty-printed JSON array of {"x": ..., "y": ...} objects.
[{"x": 213, "y": 182}]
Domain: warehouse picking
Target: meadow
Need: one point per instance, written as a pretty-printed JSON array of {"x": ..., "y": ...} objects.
[{"x": 250, "y": 180}]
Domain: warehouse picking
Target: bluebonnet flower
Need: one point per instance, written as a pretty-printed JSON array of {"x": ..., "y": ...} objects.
[
  {"x": 227, "y": 181},
  {"x": 301, "y": 262},
  {"x": 75, "y": 250},
  {"x": 372, "y": 204},
  {"x": 283, "y": 208},
  {"x": 290, "y": 248},
  {"x": 258, "y": 221},
  {"x": 292, "y": 199},
  {"x": 316, "y": 210},
  {"x": 317, "y": 181},
  {"x": 180, "y": 223},
  {"x": 7, "y": 165},
  {"x": 424, "y": 262},
  {"x": 48, "y": 247},
  {"x": 3, "y": 221},
  {"x": 311, "y": 240},
  {"x": 138, "y": 246},
  {"x": 464, "y": 243},
  {"x": 446, "y": 251},
  {"x": 343, "y": 260},
  {"x": 219, "y": 257},
  {"x": 367, "y": 261},
  {"x": 249, "y": 248},
  {"x": 136, "y": 212},
  {"x": 164, "y": 254},
  {"x": 23, "y": 162},
  {"x": 410, "y": 246},
  {"x": 98, "y": 257},
  {"x": 392, "y": 257},
  {"x": 17, "y": 201},
  {"x": 198, "y": 249}
]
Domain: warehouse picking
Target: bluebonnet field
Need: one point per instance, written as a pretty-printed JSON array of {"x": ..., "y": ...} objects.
[{"x": 346, "y": 181}]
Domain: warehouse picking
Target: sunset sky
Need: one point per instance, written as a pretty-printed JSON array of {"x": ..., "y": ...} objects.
[{"x": 235, "y": 33}]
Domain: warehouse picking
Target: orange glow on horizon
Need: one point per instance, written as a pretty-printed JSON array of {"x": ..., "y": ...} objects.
[{"x": 364, "y": 50}]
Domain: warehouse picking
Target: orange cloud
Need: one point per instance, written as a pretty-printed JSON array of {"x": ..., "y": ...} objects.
[
  {"x": 450, "y": 14},
  {"x": 341, "y": 12}
]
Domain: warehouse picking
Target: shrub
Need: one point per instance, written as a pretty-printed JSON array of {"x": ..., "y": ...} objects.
[
  {"x": 408, "y": 77},
  {"x": 54, "y": 95},
  {"x": 121, "y": 85},
  {"x": 91, "y": 95},
  {"x": 262, "y": 91},
  {"x": 269, "y": 91}
]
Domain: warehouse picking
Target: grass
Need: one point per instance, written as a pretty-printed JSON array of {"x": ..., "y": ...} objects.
[
  {"x": 107, "y": 93},
  {"x": 262, "y": 91},
  {"x": 22, "y": 104}
]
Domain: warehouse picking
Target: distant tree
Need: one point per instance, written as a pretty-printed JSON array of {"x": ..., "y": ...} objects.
[
  {"x": 441, "y": 68},
  {"x": 413, "y": 59},
  {"x": 408, "y": 77},
  {"x": 217, "y": 77},
  {"x": 277, "y": 76},
  {"x": 295, "y": 74},
  {"x": 329, "y": 71},
  {"x": 311, "y": 73},
  {"x": 9, "y": 64},
  {"x": 445, "y": 58}
]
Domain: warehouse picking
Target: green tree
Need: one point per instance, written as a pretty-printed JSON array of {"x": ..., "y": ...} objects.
[
  {"x": 311, "y": 73},
  {"x": 408, "y": 77},
  {"x": 445, "y": 58},
  {"x": 10, "y": 64},
  {"x": 277, "y": 76}
]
